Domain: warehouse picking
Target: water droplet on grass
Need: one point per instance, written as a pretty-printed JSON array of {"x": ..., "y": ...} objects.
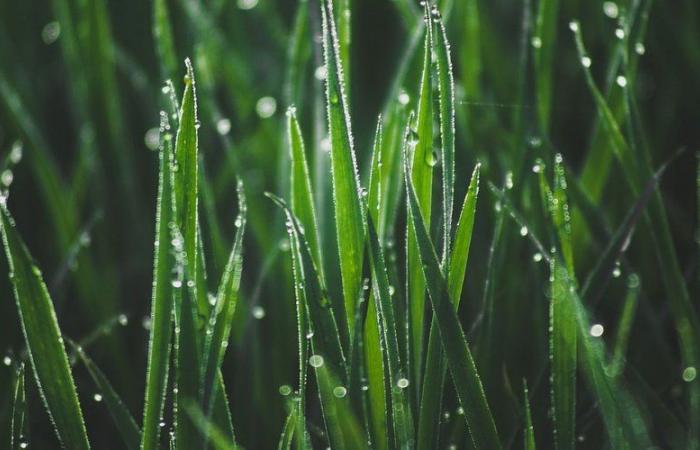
[
  {"x": 316, "y": 361},
  {"x": 285, "y": 390},
  {"x": 402, "y": 383},
  {"x": 340, "y": 391},
  {"x": 611, "y": 10},
  {"x": 123, "y": 320},
  {"x": 621, "y": 81},
  {"x": 51, "y": 32},
  {"x": 523, "y": 231},
  {"x": 152, "y": 138},
  {"x": 586, "y": 61},
  {"x": 266, "y": 107},
  {"x": 597, "y": 330},
  {"x": 16, "y": 152},
  {"x": 536, "y": 42},
  {"x": 689, "y": 374},
  {"x": 247, "y": 4},
  {"x": 321, "y": 73},
  {"x": 404, "y": 98},
  {"x": 258, "y": 312},
  {"x": 639, "y": 48},
  {"x": 573, "y": 26},
  {"x": 7, "y": 177},
  {"x": 223, "y": 126},
  {"x": 97, "y": 397},
  {"x": 619, "y": 33},
  {"x": 7, "y": 361}
]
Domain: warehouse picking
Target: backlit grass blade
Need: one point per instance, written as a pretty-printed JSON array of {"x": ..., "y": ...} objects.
[
  {"x": 219, "y": 438},
  {"x": 543, "y": 44},
  {"x": 221, "y": 321},
  {"x": 163, "y": 38},
  {"x": 624, "y": 327},
  {"x": 43, "y": 338},
  {"x": 128, "y": 430},
  {"x": 446, "y": 90},
  {"x": 563, "y": 348},
  {"x": 18, "y": 417},
  {"x": 161, "y": 304},
  {"x": 529, "y": 431},
  {"x": 287, "y": 436},
  {"x": 323, "y": 331},
  {"x": 422, "y": 160},
  {"x": 349, "y": 215},
  {"x": 435, "y": 366},
  {"x": 301, "y": 194},
  {"x": 465, "y": 377},
  {"x": 297, "y": 55},
  {"x": 398, "y": 380}
]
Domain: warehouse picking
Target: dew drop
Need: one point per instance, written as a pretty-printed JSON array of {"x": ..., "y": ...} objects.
[
  {"x": 402, "y": 383},
  {"x": 689, "y": 374},
  {"x": 285, "y": 390},
  {"x": 152, "y": 138},
  {"x": 611, "y": 10},
  {"x": 619, "y": 33},
  {"x": 146, "y": 323},
  {"x": 309, "y": 334},
  {"x": 247, "y": 4},
  {"x": 266, "y": 107},
  {"x": 537, "y": 257},
  {"x": 23, "y": 445},
  {"x": 326, "y": 145},
  {"x": 321, "y": 73},
  {"x": 586, "y": 61},
  {"x": 621, "y": 81},
  {"x": 177, "y": 284},
  {"x": 509, "y": 180},
  {"x": 238, "y": 222},
  {"x": 340, "y": 391},
  {"x": 258, "y": 312},
  {"x": 16, "y": 152},
  {"x": 523, "y": 231},
  {"x": 6, "y": 177},
  {"x": 573, "y": 26},
  {"x": 123, "y": 320},
  {"x": 597, "y": 330},
  {"x": 223, "y": 126},
  {"x": 432, "y": 158},
  {"x": 316, "y": 361},
  {"x": 639, "y": 48},
  {"x": 404, "y": 98},
  {"x": 7, "y": 360},
  {"x": 97, "y": 397},
  {"x": 165, "y": 89},
  {"x": 536, "y": 42},
  {"x": 460, "y": 411},
  {"x": 51, "y": 32}
]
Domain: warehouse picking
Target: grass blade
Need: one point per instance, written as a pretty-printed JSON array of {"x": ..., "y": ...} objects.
[
  {"x": 422, "y": 162},
  {"x": 44, "y": 342},
  {"x": 465, "y": 377},
  {"x": 563, "y": 347},
  {"x": 161, "y": 305},
  {"x": 349, "y": 215},
  {"x": 529, "y": 433},
  {"x": 18, "y": 413},
  {"x": 435, "y": 368},
  {"x": 163, "y": 37},
  {"x": 128, "y": 430},
  {"x": 543, "y": 43},
  {"x": 624, "y": 327}
]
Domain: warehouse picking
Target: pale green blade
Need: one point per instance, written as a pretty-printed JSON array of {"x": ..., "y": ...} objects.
[
  {"x": 349, "y": 215},
  {"x": 529, "y": 433},
  {"x": 43, "y": 338},
  {"x": 543, "y": 44},
  {"x": 18, "y": 417}
]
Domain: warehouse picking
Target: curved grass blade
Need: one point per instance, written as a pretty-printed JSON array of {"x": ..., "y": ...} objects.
[
  {"x": 435, "y": 366},
  {"x": 389, "y": 344},
  {"x": 529, "y": 433},
  {"x": 287, "y": 436},
  {"x": 446, "y": 90},
  {"x": 128, "y": 430},
  {"x": 43, "y": 337},
  {"x": 301, "y": 193},
  {"x": 349, "y": 215},
  {"x": 465, "y": 377},
  {"x": 219, "y": 326},
  {"x": 422, "y": 161},
  {"x": 161, "y": 305},
  {"x": 563, "y": 347},
  {"x": 18, "y": 412}
]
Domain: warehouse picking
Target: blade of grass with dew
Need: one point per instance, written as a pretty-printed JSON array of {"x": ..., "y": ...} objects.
[
  {"x": 44, "y": 342},
  {"x": 446, "y": 93},
  {"x": 218, "y": 436},
  {"x": 343, "y": 18},
  {"x": 435, "y": 366},
  {"x": 465, "y": 377},
  {"x": 379, "y": 414},
  {"x": 402, "y": 420},
  {"x": 624, "y": 327},
  {"x": 325, "y": 339},
  {"x": 529, "y": 430},
  {"x": 128, "y": 430},
  {"x": 562, "y": 348},
  {"x": 544, "y": 44},
  {"x": 349, "y": 215},
  {"x": 287, "y": 436},
  {"x": 301, "y": 194},
  {"x": 422, "y": 161},
  {"x": 161, "y": 302},
  {"x": 18, "y": 417},
  {"x": 297, "y": 55},
  {"x": 163, "y": 38},
  {"x": 221, "y": 320}
]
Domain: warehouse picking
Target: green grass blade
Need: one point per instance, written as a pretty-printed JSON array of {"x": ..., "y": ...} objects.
[
  {"x": 44, "y": 342},
  {"x": 287, "y": 436},
  {"x": 544, "y": 44},
  {"x": 435, "y": 366},
  {"x": 446, "y": 90},
  {"x": 529, "y": 432},
  {"x": 128, "y": 430},
  {"x": 301, "y": 194},
  {"x": 422, "y": 161},
  {"x": 389, "y": 343},
  {"x": 563, "y": 347},
  {"x": 465, "y": 377},
  {"x": 349, "y": 215},
  {"x": 18, "y": 416},
  {"x": 221, "y": 321},
  {"x": 161, "y": 305},
  {"x": 163, "y": 37},
  {"x": 624, "y": 327},
  {"x": 218, "y": 436}
]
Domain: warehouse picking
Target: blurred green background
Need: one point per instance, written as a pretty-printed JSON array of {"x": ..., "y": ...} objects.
[{"x": 80, "y": 95}]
